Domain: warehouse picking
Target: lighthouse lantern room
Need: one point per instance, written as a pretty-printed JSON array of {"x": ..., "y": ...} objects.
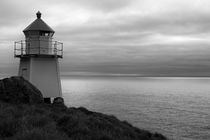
[{"x": 39, "y": 56}]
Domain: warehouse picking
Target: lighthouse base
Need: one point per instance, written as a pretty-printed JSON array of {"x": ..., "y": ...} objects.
[{"x": 43, "y": 73}]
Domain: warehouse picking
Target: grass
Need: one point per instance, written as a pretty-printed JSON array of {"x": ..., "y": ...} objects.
[{"x": 57, "y": 122}]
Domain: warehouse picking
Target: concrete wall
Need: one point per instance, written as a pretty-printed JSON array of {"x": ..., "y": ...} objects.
[
  {"x": 46, "y": 76},
  {"x": 43, "y": 73},
  {"x": 24, "y": 68}
]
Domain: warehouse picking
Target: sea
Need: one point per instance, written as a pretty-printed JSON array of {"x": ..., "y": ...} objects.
[{"x": 177, "y": 107}]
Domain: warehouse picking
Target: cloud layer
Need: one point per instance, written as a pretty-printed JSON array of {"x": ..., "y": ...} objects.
[{"x": 144, "y": 37}]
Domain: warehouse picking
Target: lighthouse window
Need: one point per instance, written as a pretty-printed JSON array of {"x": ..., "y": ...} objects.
[{"x": 44, "y": 34}]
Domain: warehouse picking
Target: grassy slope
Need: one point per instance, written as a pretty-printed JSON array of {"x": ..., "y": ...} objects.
[{"x": 57, "y": 122}]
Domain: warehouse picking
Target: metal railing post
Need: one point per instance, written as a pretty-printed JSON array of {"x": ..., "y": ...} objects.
[
  {"x": 27, "y": 46},
  {"x": 62, "y": 50},
  {"x": 21, "y": 50},
  {"x": 39, "y": 47},
  {"x": 15, "y": 49},
  {"x": 55, "y": 48}
]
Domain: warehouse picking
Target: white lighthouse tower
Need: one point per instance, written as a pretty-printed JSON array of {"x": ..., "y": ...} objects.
[{"x": 39, "y": 56}]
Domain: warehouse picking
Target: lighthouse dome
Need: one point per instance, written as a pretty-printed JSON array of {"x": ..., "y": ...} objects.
[{"x": 38, "y": 25}]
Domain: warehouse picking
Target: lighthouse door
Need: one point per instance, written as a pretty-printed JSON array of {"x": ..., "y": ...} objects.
[{"x": 24, "y": 73}]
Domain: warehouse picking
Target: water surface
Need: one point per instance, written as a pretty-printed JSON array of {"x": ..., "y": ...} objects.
[{"x": 176, "y": 107}]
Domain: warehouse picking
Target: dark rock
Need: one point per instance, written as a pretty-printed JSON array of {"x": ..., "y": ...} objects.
[
  {"x": 58, "y": 101},
  {"x": 47, "y": 100},
  {"x": 18, "y": 90}
]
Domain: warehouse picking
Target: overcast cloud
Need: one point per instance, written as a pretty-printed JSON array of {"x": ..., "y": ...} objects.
[{"x": 139, "y": 37}]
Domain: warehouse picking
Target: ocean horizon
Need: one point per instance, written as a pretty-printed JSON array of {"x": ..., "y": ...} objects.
[{"x": 177, "y": 107}]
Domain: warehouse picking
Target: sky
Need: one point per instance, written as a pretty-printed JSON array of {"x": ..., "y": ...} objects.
[{"x": 115, "y": 37}]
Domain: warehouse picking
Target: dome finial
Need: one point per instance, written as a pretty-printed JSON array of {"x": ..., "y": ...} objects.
[{"x": 38, "y": 14}]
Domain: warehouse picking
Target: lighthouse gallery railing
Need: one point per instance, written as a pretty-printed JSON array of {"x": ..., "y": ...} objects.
[{"x": 47, "y": 48}]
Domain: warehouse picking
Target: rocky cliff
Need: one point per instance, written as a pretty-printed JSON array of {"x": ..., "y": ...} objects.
[{"x": 19, "y": 90}]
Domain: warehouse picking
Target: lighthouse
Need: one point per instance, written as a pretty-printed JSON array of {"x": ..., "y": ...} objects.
[{"x": 39, "y": 58}]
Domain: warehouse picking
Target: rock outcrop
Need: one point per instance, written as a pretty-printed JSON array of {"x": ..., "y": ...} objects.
[
  {"x": 58, "y": 101},
  {"x": 18, "y": 90}
]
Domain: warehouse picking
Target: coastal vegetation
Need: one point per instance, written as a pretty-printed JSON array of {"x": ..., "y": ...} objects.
[{"x": 24, "y": 116}]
